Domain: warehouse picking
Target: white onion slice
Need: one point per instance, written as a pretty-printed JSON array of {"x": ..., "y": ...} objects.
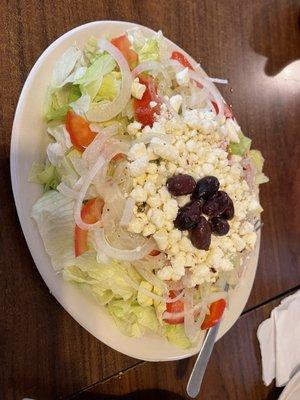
[
  {"x": 150, "y": 66},
  {"x": 206, "y": 83},
  {"x": 152, "y": 278},
  {"x": 127, "y": 212},
  {"x": 93, "y": 150},
  {"x": 218, "y": 80},
  {"x": 125, "y": 255},
  {"x": 172, "y": 316},
  {"x": 99, "y": 167},
  {"x": 178, "y": 297},
  {"x": 209, "y": 86},
  {"x": 66, "y": 191},
  {"x": 190, "y": 327},
  {"x": 104, "y": 112}
]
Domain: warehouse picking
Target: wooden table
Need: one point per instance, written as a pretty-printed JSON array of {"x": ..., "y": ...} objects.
[{"x": 45, "y": 354}]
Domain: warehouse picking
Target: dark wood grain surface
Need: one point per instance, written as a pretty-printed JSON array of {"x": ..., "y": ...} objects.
[{"x": 44, "y": 353}]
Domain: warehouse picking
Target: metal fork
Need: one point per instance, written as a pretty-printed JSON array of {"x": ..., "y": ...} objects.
[{"x": 197, "y": 374}]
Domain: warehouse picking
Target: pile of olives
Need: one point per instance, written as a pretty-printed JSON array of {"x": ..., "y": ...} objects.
[{"x": 206, "y": 198}]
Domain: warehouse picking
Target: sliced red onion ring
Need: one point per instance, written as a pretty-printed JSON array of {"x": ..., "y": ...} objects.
[{"x": 104, "y": 112}]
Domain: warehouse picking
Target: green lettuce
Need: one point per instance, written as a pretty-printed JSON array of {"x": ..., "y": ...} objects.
[
  {"x": 101, "y": 66},
  {"x": 57, "y": 102},
  {"x": 242, "y": 147},
  {"x": 91, "y": 50},
  {"x": 131, "y": 318},
  {"x": 109, "y": 88},
  {"x": 176, "y": 335},
  {"x": 258, "y": 161},
  {"x": 54, "y": 215},
  {"x": 44, "y": 174},
  {"x": 150, "y": 50}
]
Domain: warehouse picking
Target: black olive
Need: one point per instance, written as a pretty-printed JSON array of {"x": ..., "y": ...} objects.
[
  {"x": 206, "y": 187},
  {"x": 219, "y": 226},
  {"x": 188, "y": 215},
  {"x": 229, "y": 212},
  {"x": 201, "y": 235},
  {"x": 180, "y": 185},
  {"x": 216, "y": 204}
]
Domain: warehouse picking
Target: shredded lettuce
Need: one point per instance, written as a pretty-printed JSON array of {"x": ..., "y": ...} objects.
[
  {"x": 46, "y": 175},
  {"x": 242, "y": 147},
  {"x": 53, "y": 214},
  {"x": 91, "y": 50},
  {"x": 131, "y": 318},
  {"x": 175, "y": 334},
  {"x": 57, "y": 102},
  {"x": 150, "y": 50},
  {"x": 64, "y": 67},
  {"x": 110, "y": 87},
  {"x": 258, "y": 161},
  {"x": 100, "y": 67}
]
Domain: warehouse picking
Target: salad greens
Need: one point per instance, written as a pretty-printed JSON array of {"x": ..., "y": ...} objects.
[{"x": 99, "y": 76}]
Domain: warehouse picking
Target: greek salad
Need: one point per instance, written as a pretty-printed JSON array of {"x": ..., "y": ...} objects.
[{"x": 150, "y": 199}]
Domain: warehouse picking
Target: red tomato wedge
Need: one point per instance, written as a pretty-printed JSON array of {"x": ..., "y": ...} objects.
[
  {"x": 216, "y": 311},
  {"x": 142, "y": 111},
  {"x": 123, "y": 44},
  {"x": 227, "y": 110},
  {"x": 176, "y": 307},
  {"x": 176, "y": 55},
  {"x": 91, "y": 213},
  {"x": 79, "y": 130}
]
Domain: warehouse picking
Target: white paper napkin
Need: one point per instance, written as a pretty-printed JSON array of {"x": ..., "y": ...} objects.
[{"x": 279, "y": 339}]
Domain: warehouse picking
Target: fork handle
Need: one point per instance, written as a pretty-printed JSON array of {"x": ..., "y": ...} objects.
[{"x": 196, "y": 377}]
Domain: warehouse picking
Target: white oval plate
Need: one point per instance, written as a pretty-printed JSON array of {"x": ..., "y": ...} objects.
[{"x": 28, "y": 144}]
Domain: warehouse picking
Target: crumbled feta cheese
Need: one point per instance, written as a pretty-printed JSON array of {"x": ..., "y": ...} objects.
[
  {"x": 152, "y": 104},
  {"x": 163, "y": 149},
  {"x": 161, "y": 238},
  {"x": 178, "y": 263},
  {"x": 154, "y": 201},
  {"x": 139, "y": 166},
  {"x": 250, "y": 239},
  {"x": 238, "y": 242},
  {"x": 133, "y": 128},
  {"x": 170, "y": 209},
  {"x": 137, "y": 89},
  {"x": 139, "y": 194},
  {"x": 176, "y": 102},
  {"x": 182, "y": 77},
  {"x": 136, "y": 151},
  {"x": 157, "y": 217},
  {"x": 149, "y": 188},
  {"x": 149, "y": 229}
]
